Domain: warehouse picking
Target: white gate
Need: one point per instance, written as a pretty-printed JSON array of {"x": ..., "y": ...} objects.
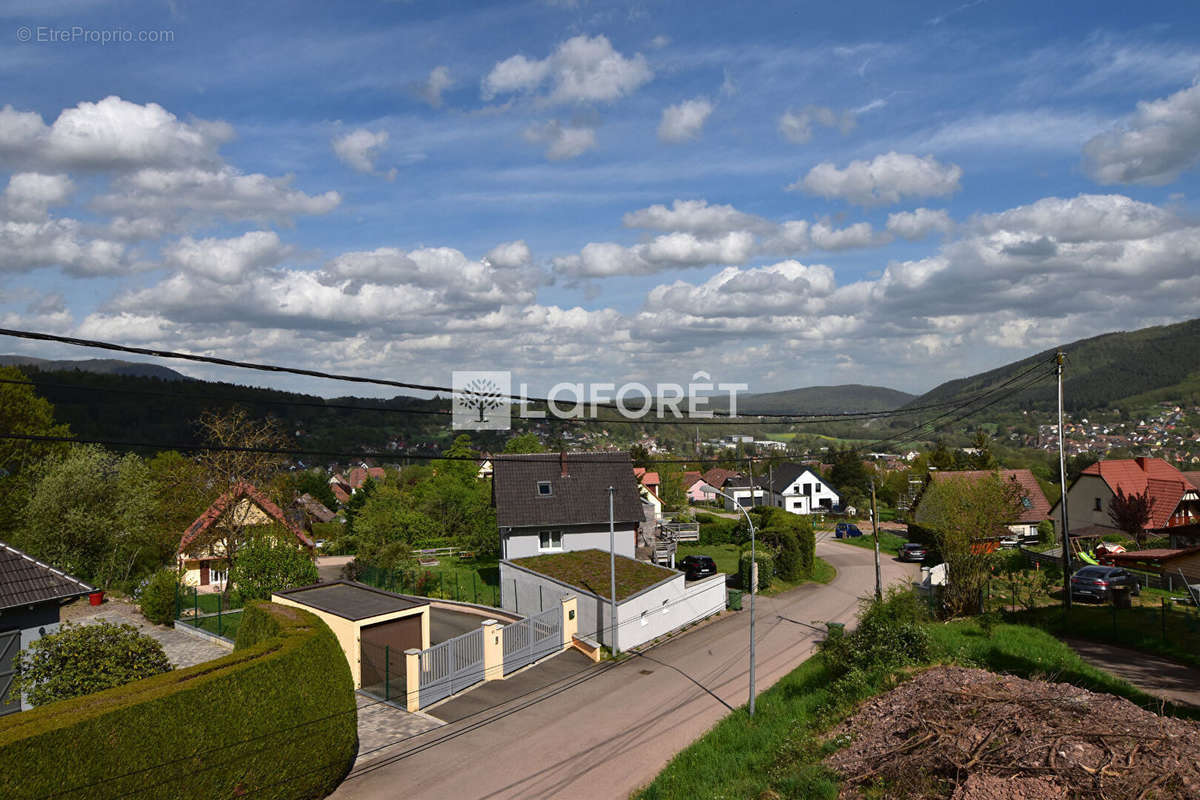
[
  {"x": 527, "y": 640},
  {"x": 450, "y": 667}
]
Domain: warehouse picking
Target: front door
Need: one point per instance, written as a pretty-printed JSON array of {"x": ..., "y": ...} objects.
[
  {"x": 10, "y": 643},
  {"x": 204, "y": 573}
]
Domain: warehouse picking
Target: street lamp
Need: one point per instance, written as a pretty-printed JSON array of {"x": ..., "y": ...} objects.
[{"x": 753, "y": 580}]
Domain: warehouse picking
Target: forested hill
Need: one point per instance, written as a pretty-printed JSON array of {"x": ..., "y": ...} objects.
[
  {"x": 104, "y": 366},
  {"x": 819, "y": 400},
  {"x": 131, "y": 408},
  {"x": 1107, "y": 371}
]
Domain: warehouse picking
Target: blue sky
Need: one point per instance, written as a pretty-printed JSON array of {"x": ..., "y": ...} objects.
[{"x": 784, "y": 194}]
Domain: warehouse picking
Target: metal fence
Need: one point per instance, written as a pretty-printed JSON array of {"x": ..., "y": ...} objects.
[
  {"x": 465, "y": 585},
  {"x": 450, "y": 667},
  {"x": 212, "y": 612},
  {"x": 384, "y": 672},
  {"x": 529, "y": 639}
]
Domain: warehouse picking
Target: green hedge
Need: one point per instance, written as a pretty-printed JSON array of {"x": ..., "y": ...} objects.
[
  {"x": 274, "y": 719},
  {"x": 766, "y": 569}
]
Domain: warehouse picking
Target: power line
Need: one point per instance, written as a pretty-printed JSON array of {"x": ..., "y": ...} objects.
[{"x": 225, "y": 362}]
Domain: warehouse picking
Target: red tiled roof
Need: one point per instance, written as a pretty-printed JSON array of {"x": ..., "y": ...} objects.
[
  {"x": 356, "y": 478},
  {"x": 1038, "y": 508},
  {"x": 341, "y": 494},
  {"x": 1193, "y": 478},
  {"x": 716, "y": 476},
  {"x": 225, "y": 502},
  {"x": 1164, "y": 483},
  {"x": 376, "y": 472},
  {"x": 690, "y": 478}
]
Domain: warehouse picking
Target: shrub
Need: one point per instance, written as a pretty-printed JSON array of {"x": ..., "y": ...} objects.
[
  {"x": 83, "y": 659},
  {"x": 1045, "y": 531},
  {"x": 273, "y": 720},
  {"x": 264, "y": 566},
  {"x": 716, "y": 530},
  {"x": 788, "y": 563},
  {"x": 157, "y": 597},
  {"x": 890, "y": 634},
  {"x": 766, "y": 569}
]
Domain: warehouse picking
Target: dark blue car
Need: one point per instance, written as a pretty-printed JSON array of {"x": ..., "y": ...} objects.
[{"x": 846, "y": 530}]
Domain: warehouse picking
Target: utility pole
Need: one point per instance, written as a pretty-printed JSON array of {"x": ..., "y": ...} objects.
[
  {"x": 612, "y": 568},
  {"x": 1062, "y": 477},
  {"x": 875, "y": 530}
]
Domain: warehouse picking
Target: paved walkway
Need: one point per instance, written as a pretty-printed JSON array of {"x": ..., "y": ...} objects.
[
  {"x": 611, "y": 730},
  {"x": 381, "y": 724},
  {"x": 1152, "y": 674},
  {"x": 182, "y": 650}
]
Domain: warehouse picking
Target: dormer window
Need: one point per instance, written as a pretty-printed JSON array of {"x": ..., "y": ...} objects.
[{"x": 544, "y": 489}]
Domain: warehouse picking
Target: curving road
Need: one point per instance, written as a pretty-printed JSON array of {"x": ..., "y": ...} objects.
[{"x": 611, "y": 729}]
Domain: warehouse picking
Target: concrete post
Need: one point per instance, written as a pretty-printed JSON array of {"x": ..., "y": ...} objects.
[
  {"x": 493, "y": 650},
  {"x": 412, "y": 683},
  {"x": 570, "y": 619}
]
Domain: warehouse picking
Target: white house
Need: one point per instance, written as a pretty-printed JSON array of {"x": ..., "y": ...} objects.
[
  {"x": 559, "y": 502},
  {"x": 796, "y": 488}
]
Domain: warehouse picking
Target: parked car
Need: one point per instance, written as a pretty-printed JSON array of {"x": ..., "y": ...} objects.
[
  {"x": 846, "y": 530},
  {"x": 696, "y": 567},
  {"x": 912, "y": 551},
  {"x": 1097, "y": 583},
  {"x": 1014, "y": 541}
]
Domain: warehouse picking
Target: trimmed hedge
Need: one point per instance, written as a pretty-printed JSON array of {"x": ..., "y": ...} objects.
[
  {"x": 766, "y": 569},
  {"x": 274, "y": 719}
]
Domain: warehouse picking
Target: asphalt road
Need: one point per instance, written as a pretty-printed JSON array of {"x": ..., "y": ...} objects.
[{"x": 610, "y": 730}]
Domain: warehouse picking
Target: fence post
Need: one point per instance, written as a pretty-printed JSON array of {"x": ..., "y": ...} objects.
[
  {"x": 196, "y": 607},
  {"x": 1163, "y": 617},
  {"x": 412, "y": 682},
  {"x": 456, "y": 589},
  {"x": 387, "y": 672},
  {"x": 219, "y": 599},
  {"x": 177, "y": 601},
  {"x": 493, "y": 650},
  {"x": 475, "y": 586},
  {"x": 1114, "y": 609}
]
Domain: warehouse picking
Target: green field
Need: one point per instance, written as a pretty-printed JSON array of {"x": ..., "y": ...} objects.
[
  {"x": 888, "y": 542},
  {"x": 226, "y": 625},
  {"x": 778, "y": 752}
]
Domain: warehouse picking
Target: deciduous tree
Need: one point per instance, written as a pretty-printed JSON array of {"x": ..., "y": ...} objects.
[{"x": 1131, "y": 512}]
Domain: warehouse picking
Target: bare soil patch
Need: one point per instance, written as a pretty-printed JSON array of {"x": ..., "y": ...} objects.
[{"x": 969, "y": 734}]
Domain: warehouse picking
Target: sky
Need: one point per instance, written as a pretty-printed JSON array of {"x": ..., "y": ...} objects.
[{"x": 783, "y": 194}]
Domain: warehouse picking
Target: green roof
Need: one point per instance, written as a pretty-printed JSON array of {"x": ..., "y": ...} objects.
[{"x": 589, "y": 570}]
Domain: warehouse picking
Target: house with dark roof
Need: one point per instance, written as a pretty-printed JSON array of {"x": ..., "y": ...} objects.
[
  {"x": 31, "y": 594},
  {"x": 1175, "y": 501},
  {"x": 796, "y": 488},
  {"x": 201, "y": 553},
  {"x": 559, "y": 502},
  {"x": 1034, "y": 505}
]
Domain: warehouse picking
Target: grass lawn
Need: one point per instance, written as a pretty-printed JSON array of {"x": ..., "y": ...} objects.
[
  {"x": 206, "y": 603},
  {"x": 1174, "y": 634},
  {"x": 227, "y": 626},
  {"x": 888, "y": 542},
  {"x": 726, "y": 555},
  {"x": 475, "y": 581},
  {"x": 778, "y": 752}
]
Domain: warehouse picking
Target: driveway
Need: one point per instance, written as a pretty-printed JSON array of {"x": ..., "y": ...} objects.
[
  {"x": 1152, "y": 674},
  {"x": 183, "y": 650},
  {"x": 609, "y": 730}
]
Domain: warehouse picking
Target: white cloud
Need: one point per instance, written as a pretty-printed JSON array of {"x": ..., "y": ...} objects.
[
  {"x": 685, "y": 120},
  {"x": 918, "y": 224},
  {"x": 205, "y": 193},
  {"x": 510, "y": 254},
  {"x": 694, "y": 216},
  {"x": 359, "y": 149},
  {"x": 669, "y": 251},
  {"x": 562, "y": 141},
  {"x": 797, "y": 126},
  {"x": 825, "y": 237},
  {"x": 1154, "y": 146},
  {"x": 582, "y": 69},
  {"x": 64, "y": 243},
  {"x": 1087, "y": 217},
  {"x": 884, "y": 180},
  {"x": 109, "y": 135},
  {"x": 29, "y": 195},
  {"x": 439, "y": 81},
  {"x": 226, "y": 260}
]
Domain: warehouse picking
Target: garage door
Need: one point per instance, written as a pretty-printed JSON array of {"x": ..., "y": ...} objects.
[
  {"x": 10, "y": 643},
  {"x": 382, "y": 656}
]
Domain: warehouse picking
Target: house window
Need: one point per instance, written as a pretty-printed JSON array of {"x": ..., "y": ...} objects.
[
  {"x": 550, "y": 540},
  {"x": 218, "y": 576},
  {"x": 544, "y": 489},
  {"x": 1097, "y": 504},
  {"x": 807, "y": 489}
]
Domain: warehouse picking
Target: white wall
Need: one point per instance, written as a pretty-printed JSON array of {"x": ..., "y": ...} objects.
[
  {"x": 1081, "y": 505},
  {"x": 523, "y": 545},
  {"x": 668, "y": 606}
]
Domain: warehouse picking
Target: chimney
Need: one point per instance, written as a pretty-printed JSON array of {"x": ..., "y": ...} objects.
[
  {"x": 1141, "y": 462},
  {"x": 562, "y": 462}
]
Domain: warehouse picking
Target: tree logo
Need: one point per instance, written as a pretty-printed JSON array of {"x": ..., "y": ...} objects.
[{"x": 481, "y": 400}]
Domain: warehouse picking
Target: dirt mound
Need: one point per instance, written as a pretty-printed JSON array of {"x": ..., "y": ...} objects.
[{"x": 968, "y": 734}]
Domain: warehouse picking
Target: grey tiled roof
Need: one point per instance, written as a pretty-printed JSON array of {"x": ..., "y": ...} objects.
[
  {"x": 579, "y": 498},
  {"x": 26, "y": 581}
]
